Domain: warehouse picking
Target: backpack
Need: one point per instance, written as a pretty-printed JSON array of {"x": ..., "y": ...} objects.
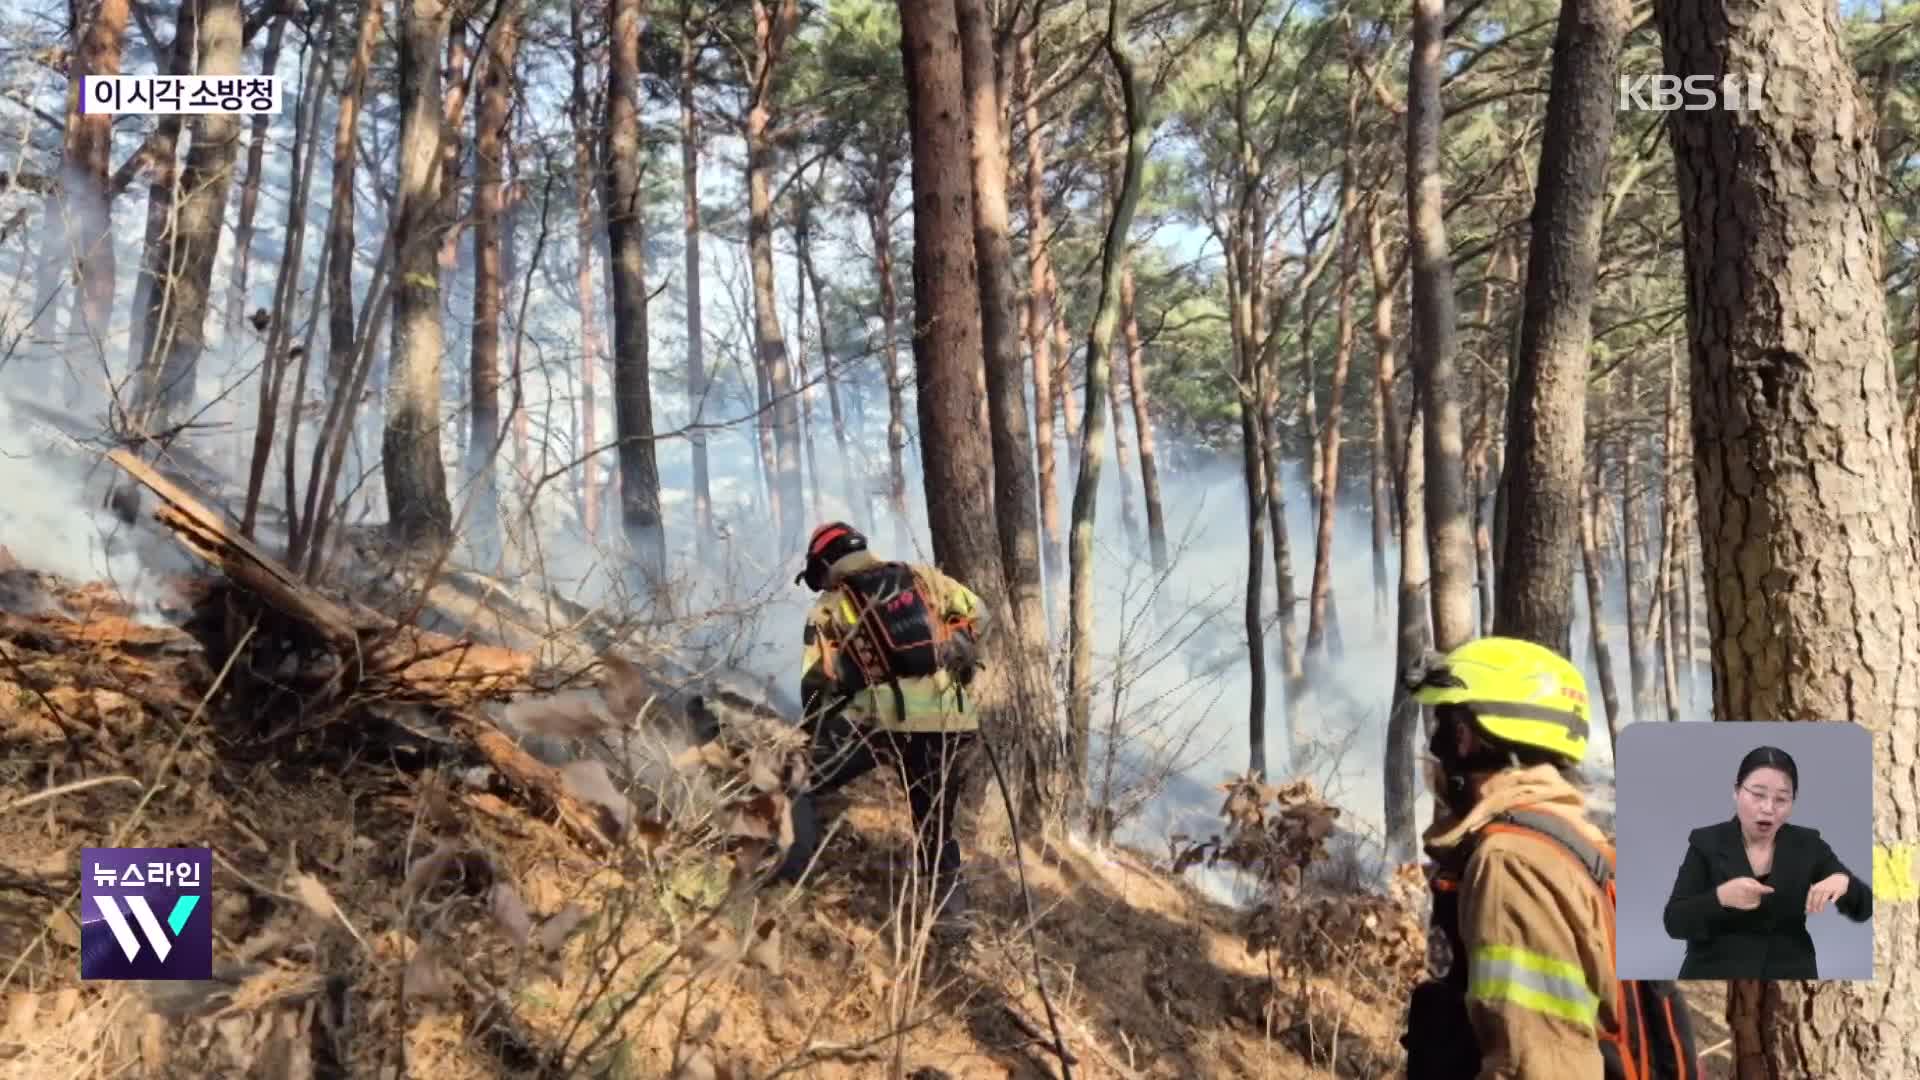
[
  {"x": 900, "y": 633},
  {"x": 1655, "y": 1038}
]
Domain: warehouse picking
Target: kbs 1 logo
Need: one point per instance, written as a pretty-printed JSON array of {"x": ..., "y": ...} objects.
[
  {"x": 146, "y": 913},
  {"x": 1694, "y": 93}
]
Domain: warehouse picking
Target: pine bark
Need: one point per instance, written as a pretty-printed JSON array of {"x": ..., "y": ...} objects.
[
  {"x": 1041, "y": 315},
  {"x": 1413, "y": 633},
  {"x": 250, "y": 189},
  {"x": 585, "y": 164},
  {"x": 1805, "y": 490},
  {"x": 1435, "y": 376},
  {"x": 1016, "y": 513},
  {"x": 627, "y": 288},
  {"x": 489, "y": 289},
  {"x": 178, "y": 308},
  {"x": 697, "y": 384},
  {"x": 1546, "y": 439},
  {"x": 416, "y": 477},
  {"x": 1320, "y": 590},
  {"x": 773, "y": 23},
  {"x": 87, "y": 201},
  {"x": 956, "y": 455}
]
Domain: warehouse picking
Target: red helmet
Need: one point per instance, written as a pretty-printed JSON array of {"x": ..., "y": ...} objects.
[{"x": 828, "y": 544}]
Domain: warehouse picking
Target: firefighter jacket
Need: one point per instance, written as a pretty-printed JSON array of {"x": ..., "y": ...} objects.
[
  {"x": 1535, "y": 931},
  {"x": 934, "y": 703}
]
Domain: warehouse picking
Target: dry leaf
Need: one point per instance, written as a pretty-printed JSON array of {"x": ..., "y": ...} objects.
[
  {"x": 566, "y": 715},
  {"x": 63, "y": 929},
  {"x": 716, "y": 756},
  {"x": 760, "y": 772},
  {"x": 510, "y": 913},
  {"x": 554, "y": 931},
  {"x": 20, "y": 1010},
  {"x": 428, "y": 870},
  {"x": 426, "y": 978},
  {"x": 698, "y": 1066},
  {"x": 712, "y": 944},
  {"x": 625, "y": 689},
  {"x": 438, "y": 810},
  {"x": 588, "y": 781},
  {"x": 765, "y": 950},
  {"x": 652, "y": 835},
  {"x": 314, "y": 895}
]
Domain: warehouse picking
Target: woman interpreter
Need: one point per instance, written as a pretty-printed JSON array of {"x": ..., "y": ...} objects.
[{"x": 1746, "y": 886}]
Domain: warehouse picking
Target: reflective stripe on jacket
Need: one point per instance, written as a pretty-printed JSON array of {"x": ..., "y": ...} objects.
[
  {"x": 932, "y": 703},
  {"x": 1540, "y": 984}
]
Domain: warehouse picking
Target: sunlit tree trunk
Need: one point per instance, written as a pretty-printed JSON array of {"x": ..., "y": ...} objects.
[
  {"x": 416, "y": 477},
  {"x": 1546, "y": 441},
  {"x": 489, "y": 184},
  {"x": 1432, "y": 354},
  {"x": 627, "y": 286},
  {"x": 1813, "y": 594}
]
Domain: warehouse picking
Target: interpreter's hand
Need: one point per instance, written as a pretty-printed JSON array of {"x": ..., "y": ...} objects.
[
  {"x": 1741, "y": 893},
  {"x": 1826, "y": 891}
]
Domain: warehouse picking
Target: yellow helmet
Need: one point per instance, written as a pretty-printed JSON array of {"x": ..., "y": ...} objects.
[{"x": 1518, "y": 692}]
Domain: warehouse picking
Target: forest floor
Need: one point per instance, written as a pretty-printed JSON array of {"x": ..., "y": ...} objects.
[
  {"x": 377, "y": 918},
  {"x": 379, "y": 913}
]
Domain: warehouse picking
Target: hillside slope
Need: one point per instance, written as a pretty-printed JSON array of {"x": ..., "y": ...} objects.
[{"x": 385, "y": 907}]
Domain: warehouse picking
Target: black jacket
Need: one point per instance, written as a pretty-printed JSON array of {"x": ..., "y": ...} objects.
[{"x": 1771, "y": 941}]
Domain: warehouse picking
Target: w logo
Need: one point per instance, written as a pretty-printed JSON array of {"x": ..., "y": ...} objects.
[
  {"x": 146, "y": 913},
  {"x": 150, "y": 926}
]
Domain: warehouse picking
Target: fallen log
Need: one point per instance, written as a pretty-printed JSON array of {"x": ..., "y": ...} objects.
[{"x": 379, "y": 656}]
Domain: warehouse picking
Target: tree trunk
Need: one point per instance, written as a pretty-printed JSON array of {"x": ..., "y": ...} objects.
[
  {"x": 163, "y": 163},
  {"x": 956, "y": 456},
  {"x": 1413, "y": 632},
  {"x": 833, "y": 382},
  {"x": 250, "y": 190},
  {"x": 1143, "y": 425},
  {"x": 806, "y": 387},
  {"x": 1435, "y": 378},
  {"x": 1063, "y": 380},
  {"x": 1596, "y": 621},
  {"x": 1547, "y": 436},
  {"x": 1814, "y": 601},
  {"x": 416, "y": 479},
  {"x": 579, "y": 113},
  {"x": 344, "y": 346},
  {"x": 1292, "y": 666},
  {"x": 1086, "y": 488},
  {"x": 1633, "y": 559},
  {"x": 1379, "y": 452},
  {"x": 773, "y": 21},
  {"x": 697, "y": 385},
  {"x": 341, "y": 339},
  {"x": 87, "y": 201},
  {"x": 1041, "y": 314},
  {"x": 1014, "y": 497},
  {"x": 1122, "y": 453},
  {"x": 627, "y": 288},
  {"x": 1320, "y": 592},
  {"x": 1673, "y": 502},
  {"x": 489, "y": 180},
  {"x": 1247, "y": 225},
  {"x": 880, "y": 224},
  {"x": 453, "y": 143},
  {"x": 179, "y": 310}
]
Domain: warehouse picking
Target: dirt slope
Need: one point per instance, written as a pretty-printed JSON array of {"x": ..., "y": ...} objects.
[{"x": 383, "y": 910}]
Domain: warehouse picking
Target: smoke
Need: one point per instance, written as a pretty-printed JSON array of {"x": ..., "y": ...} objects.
[{"x": 55, "y": 516}]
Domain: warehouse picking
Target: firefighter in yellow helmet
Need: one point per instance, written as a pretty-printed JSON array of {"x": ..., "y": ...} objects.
[{"x": 1520, "y": 951}]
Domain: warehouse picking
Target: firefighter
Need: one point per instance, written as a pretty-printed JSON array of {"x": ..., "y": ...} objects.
[
  {"x": 1522, "y": 973},
  {"x": 888, "y": 650}
]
